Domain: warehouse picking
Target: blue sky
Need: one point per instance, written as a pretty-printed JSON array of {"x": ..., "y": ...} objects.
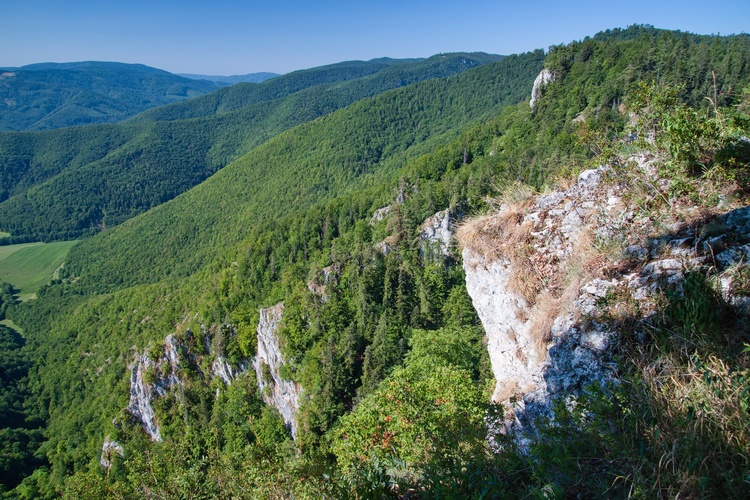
[{"x": 223, "y": 37}]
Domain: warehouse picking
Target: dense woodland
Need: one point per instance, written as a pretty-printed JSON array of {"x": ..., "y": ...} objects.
[
  {"x": 396, "y": 376},
  {"x": 51, "y": 95},
  {"x": 78, "y": 181}
]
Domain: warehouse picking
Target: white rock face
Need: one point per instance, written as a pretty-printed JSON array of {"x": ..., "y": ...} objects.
[
  {"x": 277, "y": 392},
  {"x": 140, "y": 396},
  {"x": 542, "y": 79},
  {"x": 533, "y": 371},
  {"x": 380, "y": 214},
  {"x": 164, "y": 373},
  {"x": 220, "y": 368},
  {"x": 516, "y": 365},
  {"x": 436, "y": 233},
  {"x": 109, "y": 450}
]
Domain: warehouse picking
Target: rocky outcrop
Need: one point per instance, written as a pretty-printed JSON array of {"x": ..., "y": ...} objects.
[
  {"x": 149, "y": 379},
  {"x": 110, "y": 449},
  {"x": 220, "y": 368},
  {"x": 436, "y": 233},
  {"x": 282, "y": 394},
  {"x": 538, "y": 281},
  {"x": 153, "y": 378},
  {"x": 318, "y": 284},
  {"x": 541, "y": 81},
  {"x": 516, "y": 363},
  {"x": 380, "y": 214},
  {"x": 529, "y": 303}
]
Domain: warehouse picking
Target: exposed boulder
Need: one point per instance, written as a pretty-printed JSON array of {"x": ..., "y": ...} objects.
[
  {"x": 436, "y": 233},
  {"x": 110, "y": 449},
  {"x": 380, "y": 214}
]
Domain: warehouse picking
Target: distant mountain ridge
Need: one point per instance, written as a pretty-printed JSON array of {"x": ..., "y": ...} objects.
[
  {"x": 383, "y": 72},
  {"x": 55, "y": 95},
  {"x": 99, "y": 176},
  {"x": 231, "y": 80}
]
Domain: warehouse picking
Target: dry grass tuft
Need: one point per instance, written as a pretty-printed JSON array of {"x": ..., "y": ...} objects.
[
  {"x": 585, "y": 262},
  {"x": 495, "y": 235},
  {"x": 524, "y": 279},
  {"x": 548, "y": 307}
]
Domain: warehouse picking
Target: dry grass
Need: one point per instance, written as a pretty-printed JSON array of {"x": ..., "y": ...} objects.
[
  {"x": 548, "y": 287},
  {"x": 511, "y": 193},
  {"x": 585, "y": 262},
  {"x": 699, "y": 419},
  {"x": 495, "y": 235}
]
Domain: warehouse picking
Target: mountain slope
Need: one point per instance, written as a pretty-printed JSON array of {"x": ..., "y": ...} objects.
[
  {"x": 233, "y": 79},
  {"x": 49, "y": 95},
  {"x": 396, "y": 72},
  {"x": 377, "y": 326},
  {"x": 100, "y": 176},
  {"x": 365, "y": 143}
]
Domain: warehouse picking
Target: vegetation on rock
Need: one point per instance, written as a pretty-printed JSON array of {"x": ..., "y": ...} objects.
[{"x": 391, "y": 357}]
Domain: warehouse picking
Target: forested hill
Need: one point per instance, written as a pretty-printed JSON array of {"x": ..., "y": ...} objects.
[
  {"x": 233, "y": 79},
  {"x": 361, "y": 145},
  {"x": 320, "y": 238},
  {"x": 54, "y": 95},
  {"x": 382, "y": 72},
  {"x": 100, "y": 176}
]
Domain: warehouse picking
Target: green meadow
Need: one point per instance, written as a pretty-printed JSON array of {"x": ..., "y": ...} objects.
[{"x": 29, "y": 266}]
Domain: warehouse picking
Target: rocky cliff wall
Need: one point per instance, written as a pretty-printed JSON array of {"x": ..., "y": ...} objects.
[
  {"x": 154, "y": 378},
  {"x": 539, "y": 271},
  {"x": 282, "y": 394}
]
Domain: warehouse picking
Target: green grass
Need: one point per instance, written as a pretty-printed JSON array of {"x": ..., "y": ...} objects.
[
  {"x": 31, "y": 265},
  {"x": 11, "y": 325},
  {"x": 3, "y": 234}
]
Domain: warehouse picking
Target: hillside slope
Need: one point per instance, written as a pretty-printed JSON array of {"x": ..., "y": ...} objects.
[
  {"x": 323, "y": 259},
  {"x": 233, "y": 79},
  {"x": 101, "y": 176},
  {"x": 50, "y": 95},
  {"x": 364, "y": 144}
]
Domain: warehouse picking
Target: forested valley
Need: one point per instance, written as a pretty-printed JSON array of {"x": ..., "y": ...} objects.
[{"x": 299, "y": 215}]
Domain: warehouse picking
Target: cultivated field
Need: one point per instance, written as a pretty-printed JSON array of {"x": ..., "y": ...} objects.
[{"x": 28, "y": 266}]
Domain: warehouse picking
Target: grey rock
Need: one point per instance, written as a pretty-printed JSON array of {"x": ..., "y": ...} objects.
[
  {"x": 380, "y": 214},
  {"x": 436, "y": 234},
  {"x": 383, "y": 247},
  {"x": 733, "y": 256},
  {"x": 662, "y": 267},
  {"x": 637, "y": 252},
  {"x": 110, "y": 448},
  {"x": 541, "y": 81},
  {"x": 589, "y": 179},
  {"x": 739, "y": 220},
  {"x": 282, "y": 394}
]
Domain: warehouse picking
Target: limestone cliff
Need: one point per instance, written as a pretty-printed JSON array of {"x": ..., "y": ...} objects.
[
  {"x": 436, "y": 233},
  {"x": 539, "y": 269},
  {"x": 282, "y": 394},
  {"x": 150, "y": 379},
  {"x": 156, "y": 371},
  {"x": 541, "y": 81}
]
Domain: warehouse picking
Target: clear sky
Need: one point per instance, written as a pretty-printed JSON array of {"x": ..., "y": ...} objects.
[{"x": 224, "y": 37}]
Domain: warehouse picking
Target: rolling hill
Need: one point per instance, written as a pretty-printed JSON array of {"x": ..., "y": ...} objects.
[
  {"x": 54, "y": 95},
  {"x": 101, "y": 176},
  {"x": 233, "y": 79}
]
